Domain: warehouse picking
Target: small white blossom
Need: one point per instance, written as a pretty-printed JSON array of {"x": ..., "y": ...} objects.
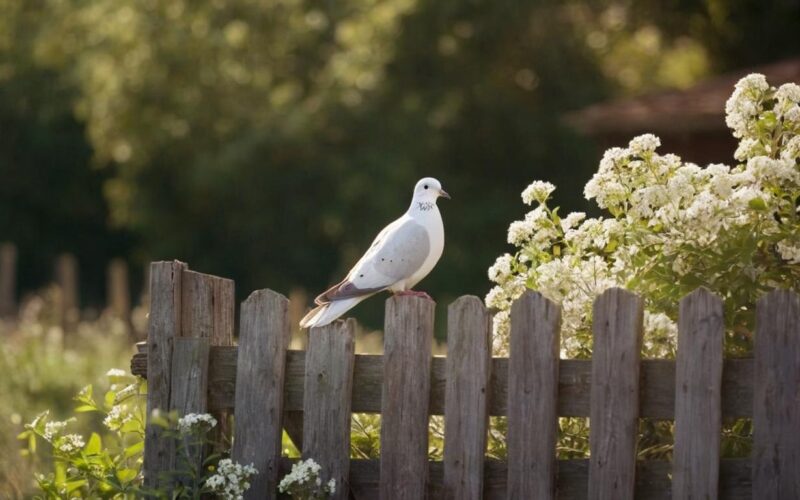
[
  {"x": 53, "y": 429},
  {"x": 117, "y": 417},
  {"x": 194, "y": 421},
  {"x": 70, "y": 443},
  {"x": 789, "y": 251},
  {"x": 115, "y": 372},
  {"x": 231, "y": 479},
  {"x": 644, "y": 144},
  {"x": 537, "y": 191}
]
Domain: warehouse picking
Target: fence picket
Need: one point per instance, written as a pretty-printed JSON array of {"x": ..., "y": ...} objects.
[
  {"x": 698, "y": 402},
  {"x": 614, "y": 412},
  {"x": 328, "y": 386},
  {"x": 776, "y": 404},
  {"x": 408, "y": 334},
  {"x": 118, "y": 295},
  {"x": 532, "y": 397},
  {"x": 188, "y": 394},
  {"x": 261, "y": 368},
  {"x": 466, "y": 413},
  {"x": 66, "y": 277},
  {"x": 164, "y": 326}
]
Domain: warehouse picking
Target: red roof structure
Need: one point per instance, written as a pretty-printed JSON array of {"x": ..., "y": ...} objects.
[{"x": 690, "y": 122}]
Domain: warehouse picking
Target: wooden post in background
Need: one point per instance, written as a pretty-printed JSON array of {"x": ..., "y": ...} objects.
[
  {"x": 8, "y": 280},
  {"x": 66, "y": 274},
  {"x": 118, "y": 295}
]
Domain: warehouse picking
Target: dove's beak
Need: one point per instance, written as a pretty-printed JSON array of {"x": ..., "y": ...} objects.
[{"x": 444, "y": 194}]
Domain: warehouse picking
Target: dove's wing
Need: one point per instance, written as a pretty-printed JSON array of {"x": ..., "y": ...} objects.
[{"x": 398, "y": 251}]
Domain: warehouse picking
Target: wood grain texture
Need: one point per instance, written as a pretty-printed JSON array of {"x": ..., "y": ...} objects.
[
  {"x": 652, "y": 479},
  {"x": 466, "y": 409},
  {"x": 188, "y": 395},
  {"x": 698, "y": 402},
  {"x": 408, "y": 334},
  {"x": 8, "y": 280},
  {"x": 776, "y": 412},
  {"x": 326, "y": 415},
  {"x": 614, "y": 415},
  {"x": 208, "y": 308},
  {"x": 532, "y": 397},
  {"x": 261, "y": 369},
  {"x": 164, "y": 326},
  {"x": 657, "y": 381}
]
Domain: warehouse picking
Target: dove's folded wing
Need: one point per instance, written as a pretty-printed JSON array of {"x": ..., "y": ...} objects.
[{"x": 396, "y": 254}]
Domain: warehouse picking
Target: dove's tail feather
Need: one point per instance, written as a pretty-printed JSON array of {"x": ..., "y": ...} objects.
[{"x": 327, "y": 313}]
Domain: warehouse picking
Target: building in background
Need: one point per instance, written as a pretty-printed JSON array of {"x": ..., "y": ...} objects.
[{"x": 690, "y": 122}]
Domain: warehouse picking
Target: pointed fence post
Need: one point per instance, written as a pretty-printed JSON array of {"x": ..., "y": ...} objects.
[
  {"x": 466, "y": 407},
  {"x": 260, "y": 374},
  {"x": 408, "y": 336},
  {"x": 776, "y": 397},
  {"x": 698, "y": 402},
  {"x": 532, "y": 397},
  {"x": 327, "y": 401},
  {"x": 614, "y": 413}
]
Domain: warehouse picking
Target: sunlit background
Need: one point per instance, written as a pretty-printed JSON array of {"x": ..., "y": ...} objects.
[{"x": 268, "y": 141}]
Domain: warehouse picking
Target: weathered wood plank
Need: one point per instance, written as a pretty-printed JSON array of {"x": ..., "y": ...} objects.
[
  {"x": 698, "y": 410},
  {"x": 466, "y": 413},
  {"x": 8, "y": 280},
  {"x": 776, "y": 412},
  {"x": 188, "y": 394},
  {"x": 657, "y": 384},
  {"x": 263, "y": 341},
  {"x": 164, "y": 326},
  {"x": 614, "y": 414},
  {"x": 208, "y": 308},
  {"x": 326, "y": 407},
  {"x": 652, "y": 479},
  {"x": 408, "y": 334},
  {"x": 532, "y": 397}
]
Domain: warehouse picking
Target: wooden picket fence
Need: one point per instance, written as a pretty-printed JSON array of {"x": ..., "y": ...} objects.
[{"x": 192, "y": 365}]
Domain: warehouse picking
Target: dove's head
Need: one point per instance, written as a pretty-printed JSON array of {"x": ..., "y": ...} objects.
[{"x": 429, "y": 189}]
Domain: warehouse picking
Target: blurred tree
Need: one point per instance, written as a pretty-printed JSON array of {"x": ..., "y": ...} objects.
[{"x": 270, "y": 140}]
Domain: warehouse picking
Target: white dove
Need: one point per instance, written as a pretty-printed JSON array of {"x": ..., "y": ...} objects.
[{"x": 402, "y": 254}]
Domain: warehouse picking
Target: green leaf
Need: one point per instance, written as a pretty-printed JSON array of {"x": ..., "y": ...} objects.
[
  {"x": 74, "y": 485},
  {"x": 134, "y": 449},
  {"x": 108, "y": 400},
  {"x": 95, "y": 445},
  {"x": 126, "y": 475},
  {"x": 85, "y": 409}
]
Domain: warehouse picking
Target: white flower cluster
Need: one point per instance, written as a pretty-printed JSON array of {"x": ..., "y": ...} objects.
[
  {"x": 118, "y": 416},
  {"x": 196, "y": 421},
  {"x": 53, "y": 429},
  {"x": 304, "y": 481},
  {"x": 231, "y": 479},
  {"x": 673, "y": 225},
  {"x": 69, "y": 443},
  {"x": 116, "y": 372}
]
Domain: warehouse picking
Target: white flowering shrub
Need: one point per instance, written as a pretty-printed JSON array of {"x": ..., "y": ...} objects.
[
  {"x": 304, "y": 482},
  {"x": 230, "y": 480},
  {"x": 671, "y": 226}
]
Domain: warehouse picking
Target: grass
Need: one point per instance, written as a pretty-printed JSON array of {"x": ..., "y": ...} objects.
[{"x": 42, "y": 368}]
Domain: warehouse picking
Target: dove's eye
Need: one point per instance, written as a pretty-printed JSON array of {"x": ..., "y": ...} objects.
[{"x": 426, "y": 186}]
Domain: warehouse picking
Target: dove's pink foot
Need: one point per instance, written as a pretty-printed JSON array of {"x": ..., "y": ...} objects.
[{"x": 414, "y": 293}]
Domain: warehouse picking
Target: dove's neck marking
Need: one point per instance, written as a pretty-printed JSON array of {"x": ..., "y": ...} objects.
[{"x": 425, "y": 206}]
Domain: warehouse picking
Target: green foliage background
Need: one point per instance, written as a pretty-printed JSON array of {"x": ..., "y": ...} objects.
[{"x": 269, "y": 141}]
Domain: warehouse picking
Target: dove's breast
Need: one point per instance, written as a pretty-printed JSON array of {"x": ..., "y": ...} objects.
[{"x": 432, "y": 222}]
